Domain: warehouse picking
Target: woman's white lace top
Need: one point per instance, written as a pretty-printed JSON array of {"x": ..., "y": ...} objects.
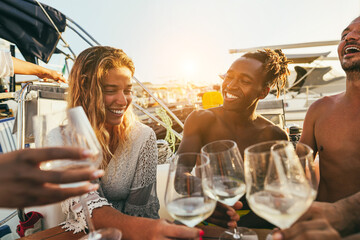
[
  {"x": 6, "y": 65},
  {"x": 129, "y": 183}
]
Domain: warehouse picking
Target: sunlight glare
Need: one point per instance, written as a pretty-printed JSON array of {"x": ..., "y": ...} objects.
[{"x": 189, "y": 68}]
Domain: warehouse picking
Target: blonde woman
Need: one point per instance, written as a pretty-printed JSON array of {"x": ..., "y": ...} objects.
[{"x": 100, "y": 82}]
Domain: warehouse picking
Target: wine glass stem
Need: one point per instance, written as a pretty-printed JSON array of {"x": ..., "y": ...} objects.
[
  {"x": 236, "y": 235},
  {"x": 84, "y": 205}
]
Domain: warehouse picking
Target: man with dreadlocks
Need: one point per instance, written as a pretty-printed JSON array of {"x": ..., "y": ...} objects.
[{"x": 247, "y": 81}]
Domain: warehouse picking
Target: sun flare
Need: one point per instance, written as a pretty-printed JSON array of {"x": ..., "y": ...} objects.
[{"x": 189, "y": 68}]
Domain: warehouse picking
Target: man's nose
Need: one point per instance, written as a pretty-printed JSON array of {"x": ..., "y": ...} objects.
[
  {"x": 353, "y": 35},
  {"x": 232, "y": 84}
]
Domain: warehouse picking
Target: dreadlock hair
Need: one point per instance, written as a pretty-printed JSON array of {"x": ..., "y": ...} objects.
[
  {"x": 275, "y": 65},
  {"x": 86, "y": 82}
]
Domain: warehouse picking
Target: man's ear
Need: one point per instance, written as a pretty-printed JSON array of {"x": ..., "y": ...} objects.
[{"x": 264, "y": 92}]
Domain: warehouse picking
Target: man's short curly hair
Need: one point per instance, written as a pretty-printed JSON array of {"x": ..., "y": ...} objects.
[{"x": 275, "y": 65}]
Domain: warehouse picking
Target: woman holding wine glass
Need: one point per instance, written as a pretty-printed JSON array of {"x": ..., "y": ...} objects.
[{"x": 100, "y": 82}]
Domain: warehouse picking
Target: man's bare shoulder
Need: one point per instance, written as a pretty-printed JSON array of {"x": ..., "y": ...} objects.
[
  {"x": 270, "y": 131},
  {"x": 202, "y": 117},
  {"x": 273, "y": 132},
  {"x": 324, "y": 102}
]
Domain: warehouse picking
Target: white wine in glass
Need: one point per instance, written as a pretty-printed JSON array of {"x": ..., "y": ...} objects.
[
  {"x": 277, "y": 189},
  {"x": 185, "y": 199},
  {"x": 71, "y": 128},
  {"x": 228, "y": 182}
]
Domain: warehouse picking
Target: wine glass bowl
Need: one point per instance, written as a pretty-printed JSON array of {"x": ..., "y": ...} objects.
[
  {"x": 185, "y": 199},
  {"x": 227, "y": 170}
]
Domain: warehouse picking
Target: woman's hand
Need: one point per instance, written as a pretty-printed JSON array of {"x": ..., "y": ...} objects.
[{"x": 161, "y": 229}]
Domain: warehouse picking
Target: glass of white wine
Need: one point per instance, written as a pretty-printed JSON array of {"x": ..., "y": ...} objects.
[
  {"x": 277, "y": 188},
  {"x": 228, "y": 182},
  {"x": 71, "y": 128},
  {"x": 185, "y": 199}
]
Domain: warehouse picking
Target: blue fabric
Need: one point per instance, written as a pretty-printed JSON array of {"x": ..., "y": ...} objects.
[{"x": 4, "y": 230}]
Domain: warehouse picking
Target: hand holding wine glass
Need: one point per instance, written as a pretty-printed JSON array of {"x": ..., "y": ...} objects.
[
  {"x": 228, "y": 184},
  {"x": 71, "y": 128}
]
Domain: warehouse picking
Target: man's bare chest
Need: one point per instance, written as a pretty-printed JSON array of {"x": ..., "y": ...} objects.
[
  {"x": 337, "y": 132},
  {"x": 244, "y": 137}
]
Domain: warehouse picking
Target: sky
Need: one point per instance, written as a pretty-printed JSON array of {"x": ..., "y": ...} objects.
[{"x": 189, "y": 40}]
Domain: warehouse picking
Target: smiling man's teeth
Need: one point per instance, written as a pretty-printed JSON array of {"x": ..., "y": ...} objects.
[
  {"x": 351, "y": 50},
  {"x": 229, "y": 95},
  {"x": 117, "y": 111}
]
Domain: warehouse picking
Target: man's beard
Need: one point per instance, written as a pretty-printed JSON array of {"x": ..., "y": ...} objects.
[{"x": 351, "y": 67}]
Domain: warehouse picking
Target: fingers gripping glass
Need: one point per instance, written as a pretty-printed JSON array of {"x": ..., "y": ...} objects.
[{"x": 71, "y": 128}]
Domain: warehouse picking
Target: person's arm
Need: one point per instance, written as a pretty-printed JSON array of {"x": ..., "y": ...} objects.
[
  {"x": 24, "y": 184},
  {"x": 27, "y": 68},
  {"x": 345, "y": 217},
  {"x": 139, "y": 228}
]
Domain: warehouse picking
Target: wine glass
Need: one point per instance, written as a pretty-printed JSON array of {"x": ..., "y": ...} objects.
[
  {"x": 185, "y": 199},
  {"x": 72, "y": 128},
  {"x": 277, "y": 188},
  {"x": 306, "y": 157},
  {"x": 228, "y": 183}
]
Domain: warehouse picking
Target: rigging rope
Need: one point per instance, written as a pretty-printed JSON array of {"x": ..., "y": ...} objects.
[{"x": 170, "y": 136}]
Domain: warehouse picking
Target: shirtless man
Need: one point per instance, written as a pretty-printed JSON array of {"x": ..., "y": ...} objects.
[
  {"x": 247, "y": 81},
  {"x": 332, "y": 126}
]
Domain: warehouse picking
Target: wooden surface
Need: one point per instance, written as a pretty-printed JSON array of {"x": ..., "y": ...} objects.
[
  {"x": 56, "y": 233},
  {"x": 213, "y": 232}
]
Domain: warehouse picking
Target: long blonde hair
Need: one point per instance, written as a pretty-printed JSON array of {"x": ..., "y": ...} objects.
[{"x": 86, "y": 82}]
